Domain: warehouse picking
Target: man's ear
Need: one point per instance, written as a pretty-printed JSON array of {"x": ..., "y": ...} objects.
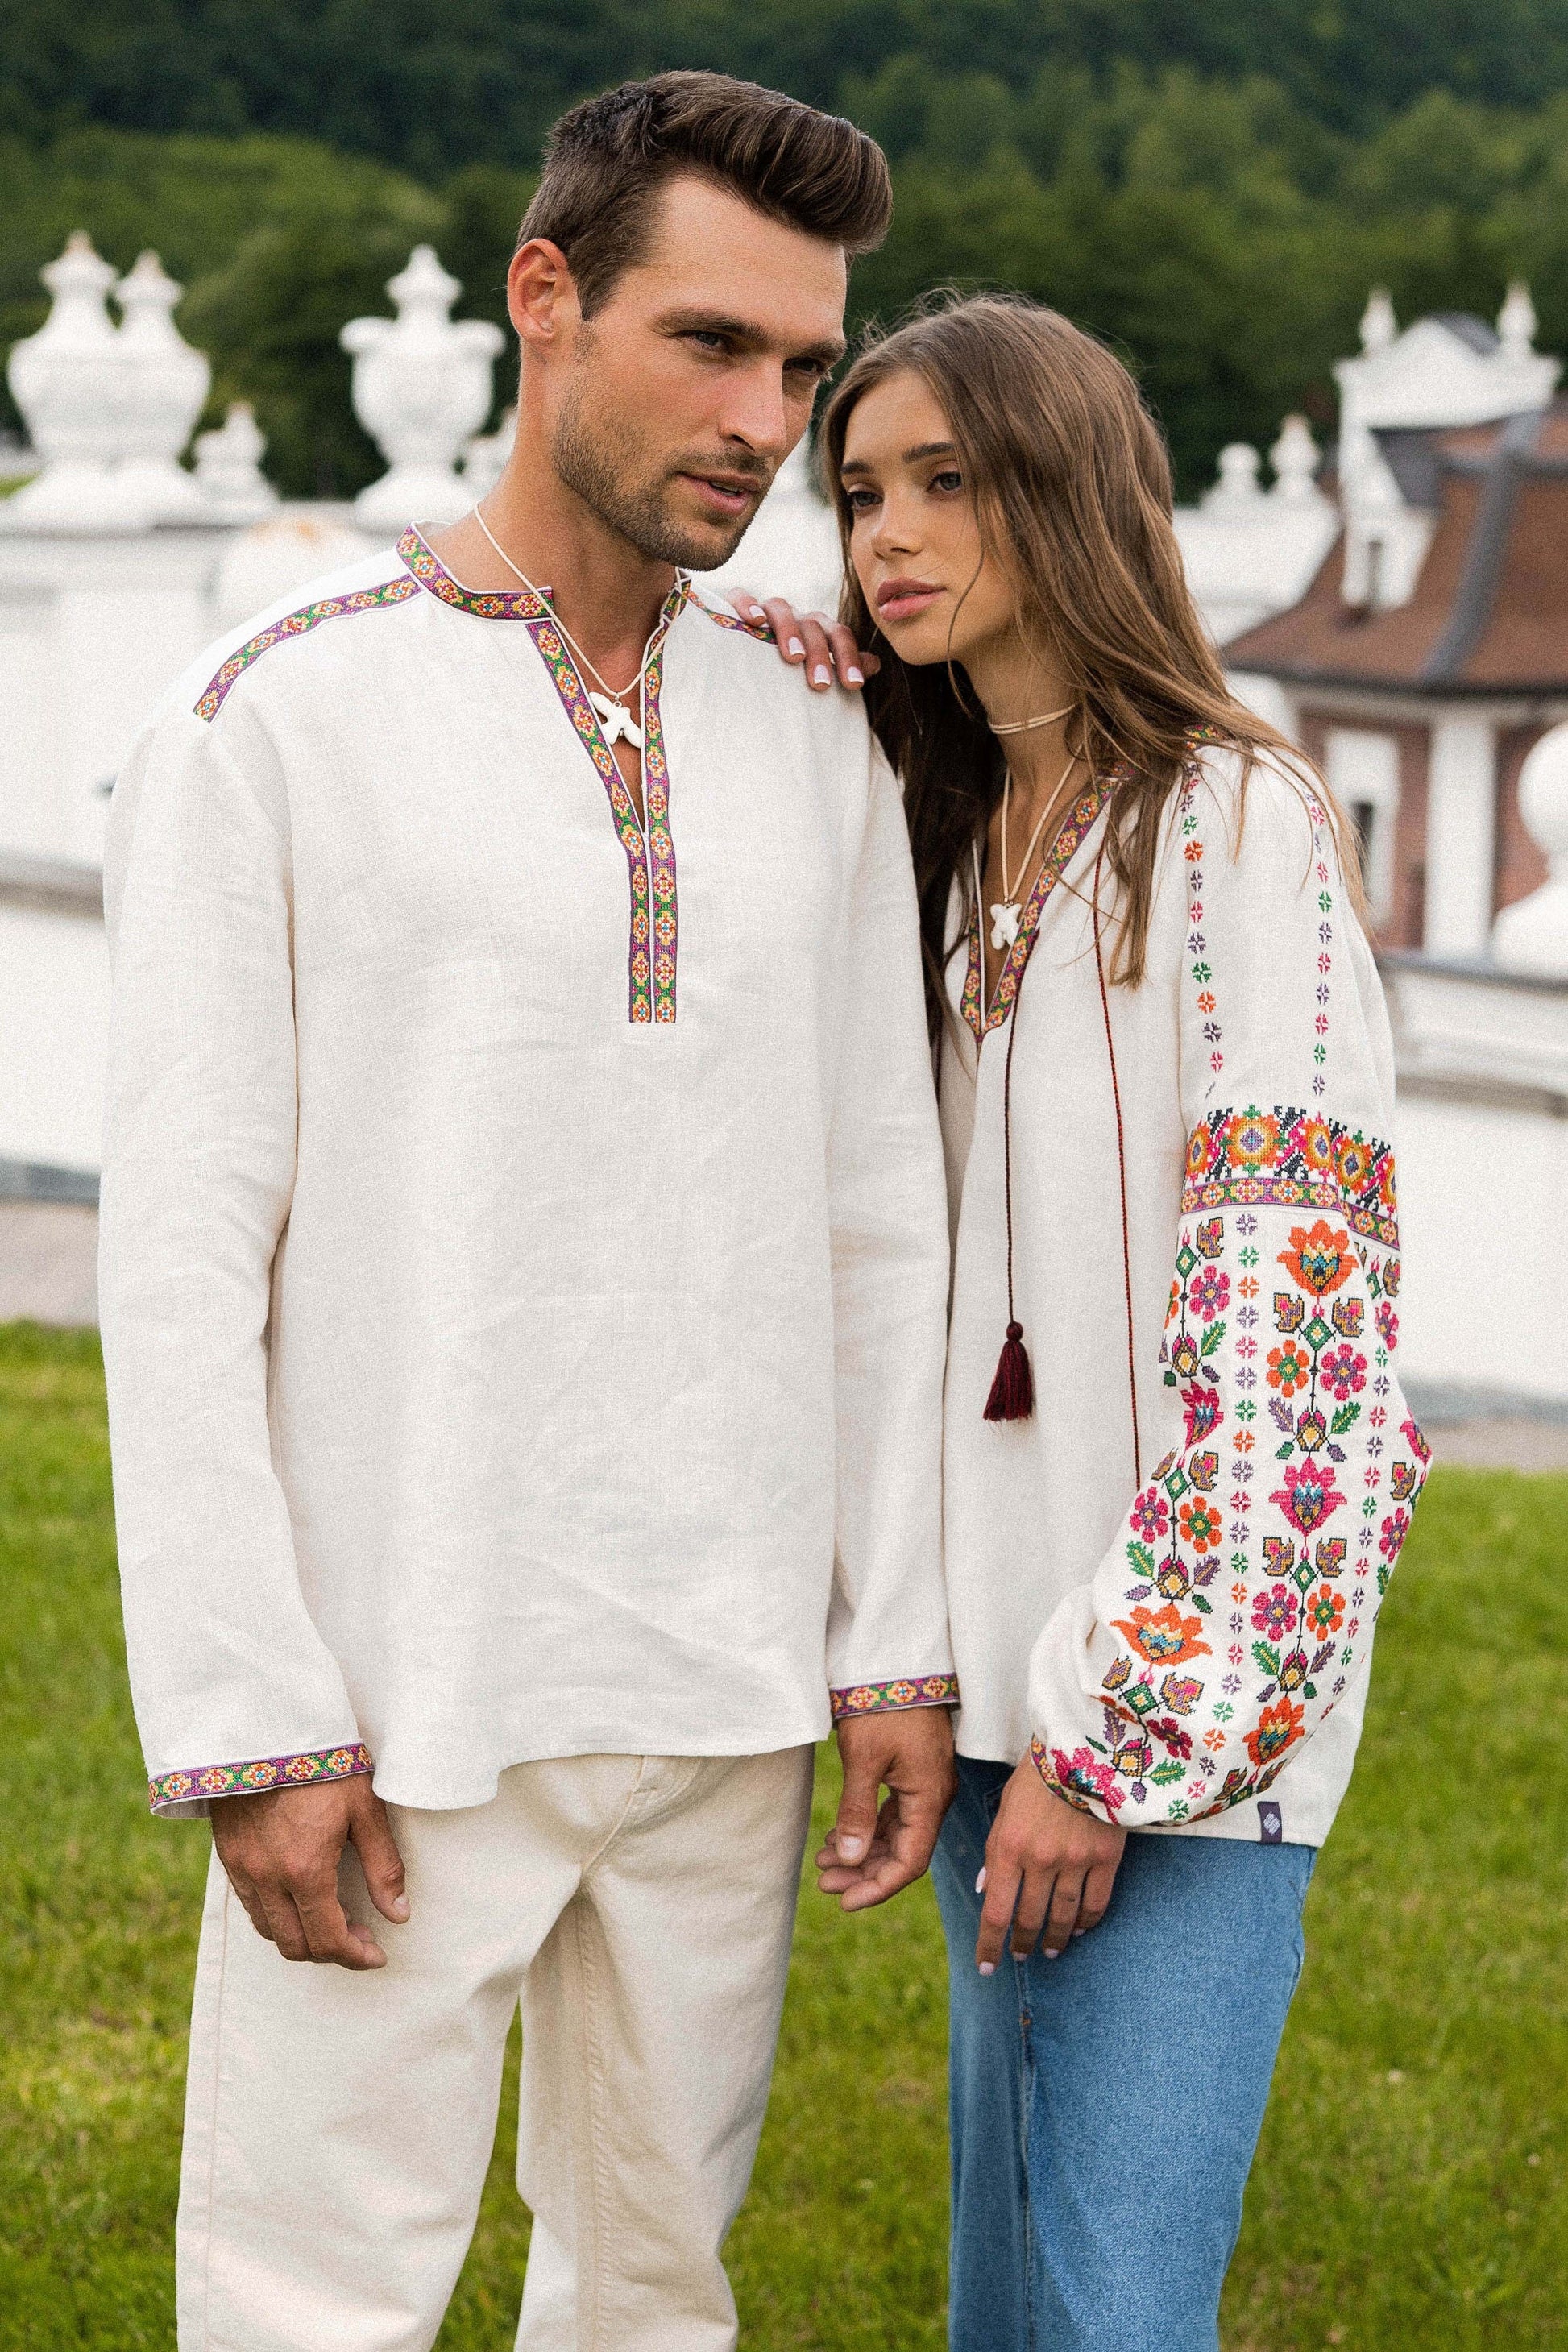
[{"x": 542, "y": 295}]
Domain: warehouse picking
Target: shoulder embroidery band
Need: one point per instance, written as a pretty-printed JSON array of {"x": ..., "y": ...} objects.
[
  {"x": 883, "y": 1699},
  {"x": 296, "y": 625},
  {"x": 266, "y": 1772},
  {"x": 1068, "y": 841}
]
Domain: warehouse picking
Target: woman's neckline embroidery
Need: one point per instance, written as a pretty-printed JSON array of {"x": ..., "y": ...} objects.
[{"x": 1074, "y": 830}]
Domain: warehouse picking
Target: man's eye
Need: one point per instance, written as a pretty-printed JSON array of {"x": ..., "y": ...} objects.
[{"x": 706, "y": 339}]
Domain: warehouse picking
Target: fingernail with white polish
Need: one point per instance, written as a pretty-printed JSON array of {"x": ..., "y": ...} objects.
[
  {"x": 794, "y": 646},
  {"x": 980, "y": 1881},
  {"x": 987, "y": 1967},
  {"x": 1051, "y": 1955},
  {"x": 854, "y": 678},
  {"x": 821, "y": 675}
]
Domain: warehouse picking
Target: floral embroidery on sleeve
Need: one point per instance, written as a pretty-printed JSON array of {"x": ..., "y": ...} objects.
[{"x": 1243, "y": 1612}]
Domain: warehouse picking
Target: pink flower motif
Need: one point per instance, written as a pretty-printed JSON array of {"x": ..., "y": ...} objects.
[
  {"x": 1387, "y": 1324},
  {"x": 1210, "y": 1293},
  {"x": 1274, "y": 1612},
  {"x": 1088, "y": 1775},
  {"x": 1151, "y": 1519},
  {"x": 1203, "y": 1412},
  {"x": 1343, "y": 1372},
  {"x": 1308, "y": 1495},
  {"x": 1395, "y": 1527}
]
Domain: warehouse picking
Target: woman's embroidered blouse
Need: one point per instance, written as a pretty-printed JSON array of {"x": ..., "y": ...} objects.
[
  {"x": 523, "y": 1263},
  {"x": 1181, "y": 1637}
]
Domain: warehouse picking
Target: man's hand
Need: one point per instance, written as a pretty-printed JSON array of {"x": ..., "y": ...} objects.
[
  {"x": 1049, "y": 1870},
  {"x": 870, "y": 1856},
  {"x": 825, "y": 648},
  {"x": 282, "y": 1850}
]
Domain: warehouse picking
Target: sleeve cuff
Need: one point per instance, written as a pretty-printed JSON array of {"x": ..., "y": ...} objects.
[
  {"x": 173, "y": 1788},
  {"x": 888, "y": 1699}
]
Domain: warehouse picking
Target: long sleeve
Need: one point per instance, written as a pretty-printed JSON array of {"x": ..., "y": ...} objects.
[
  {"x": 888, "y": 1641},
  {"x": 1235, "y": 1603},
  {"x": 233, "y": 1685}
]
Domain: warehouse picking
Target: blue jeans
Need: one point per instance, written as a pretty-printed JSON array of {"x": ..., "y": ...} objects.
[{"x": 1105, "y": 2106}]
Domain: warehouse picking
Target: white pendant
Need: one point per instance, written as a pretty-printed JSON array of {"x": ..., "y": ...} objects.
[
  {"x": 616, "y": 720},
  {"x": 1005, "y": 918}
]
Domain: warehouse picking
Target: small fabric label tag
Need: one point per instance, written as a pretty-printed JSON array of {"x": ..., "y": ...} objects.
[{"x": 1270, "y": 1826}]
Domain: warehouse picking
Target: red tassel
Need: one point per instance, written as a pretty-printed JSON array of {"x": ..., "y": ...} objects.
[{"x": 1012, "y": 1396}]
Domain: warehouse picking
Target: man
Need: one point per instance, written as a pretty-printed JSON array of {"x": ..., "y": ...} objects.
[{"x": 524, "y": 1267}]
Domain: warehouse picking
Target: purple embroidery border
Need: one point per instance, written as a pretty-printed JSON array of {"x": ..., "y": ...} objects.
[
  {"x": 885, "y": 1698},
  {"x": 1076, "y": 827},
  {"x": 264, "y": 1773},
  {"x": 297, "y": 625}
]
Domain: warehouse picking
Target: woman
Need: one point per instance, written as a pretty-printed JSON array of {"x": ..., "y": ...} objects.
[{"x": 1178, "y": 1465}]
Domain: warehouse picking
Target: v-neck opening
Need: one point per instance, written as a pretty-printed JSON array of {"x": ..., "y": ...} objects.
[{"x": 1070, "y": 836}]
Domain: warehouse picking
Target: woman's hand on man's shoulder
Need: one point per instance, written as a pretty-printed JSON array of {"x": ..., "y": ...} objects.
[{"x": 823, "y": 648}]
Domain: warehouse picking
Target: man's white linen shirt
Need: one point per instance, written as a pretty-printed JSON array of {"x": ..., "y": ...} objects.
[{"x": 523, "y": 1240}]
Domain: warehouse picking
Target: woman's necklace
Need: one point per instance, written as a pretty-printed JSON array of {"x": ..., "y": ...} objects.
[
  {"x": 1008, "y": 913},
  {"x": 610, "y": 708},
  {"x": 1021, "y": 726}
]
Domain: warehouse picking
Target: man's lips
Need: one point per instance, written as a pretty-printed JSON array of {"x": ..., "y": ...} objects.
[
  {"x": 728, "y": 494},
  {"x": 900, "y": 600}
]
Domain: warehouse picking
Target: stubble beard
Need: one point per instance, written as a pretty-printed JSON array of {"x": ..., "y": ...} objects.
[{"x": 597, "y": 466}]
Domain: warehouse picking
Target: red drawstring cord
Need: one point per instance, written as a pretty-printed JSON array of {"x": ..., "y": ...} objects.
[
  {"x": 1121, "y": 1166},
  {"x": 1012, "y": 1396}
]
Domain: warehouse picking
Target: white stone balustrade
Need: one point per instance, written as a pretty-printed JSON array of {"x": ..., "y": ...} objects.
[
  {"x": 421, "y": 390},
  {"x": 1531, "y": 935},
  {"x": 68, "y": 382},
  {"x": 164, "y": 387},
  {"x": 233, "y": 486}
]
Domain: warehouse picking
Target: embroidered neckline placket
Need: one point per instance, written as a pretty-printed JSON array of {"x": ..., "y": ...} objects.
[
  {"x": 1066, "y": 846},
  {"x": 649, "y": 846}
]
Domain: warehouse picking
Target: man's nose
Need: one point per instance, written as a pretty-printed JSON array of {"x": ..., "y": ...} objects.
[{"x": 755, "y": 411}]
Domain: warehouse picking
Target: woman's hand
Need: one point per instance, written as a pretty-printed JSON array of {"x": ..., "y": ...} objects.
[
  {"x": 825, "y": 648},
  {"x": 1049, "y": 1870}
]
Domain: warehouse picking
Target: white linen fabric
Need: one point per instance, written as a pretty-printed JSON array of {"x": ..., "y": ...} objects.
[
  {"x": 1182, "y": 1643},
  {"x": 339, "y": 2126},
  {"x": 523, "y": 1256}
]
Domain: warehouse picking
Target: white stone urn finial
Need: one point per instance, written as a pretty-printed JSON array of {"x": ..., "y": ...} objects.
[
  {"x": 1237, "y": 490},
  {"x": 1378, "y": 324},
  {"x": 165, "y": 386},
  {"x": 421, "y": 389},
  {"x": 1532, "y": 934},
  {"x": 1517, "y": 322},
  {"x": 1294, "y": 458},
  {"x": 67, "y": 381},
  {"x": 228, "y": 468}
]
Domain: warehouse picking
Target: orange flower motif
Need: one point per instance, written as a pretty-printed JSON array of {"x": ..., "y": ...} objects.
[
  {"x": 1214, "y": 1739},
  {"x": 1278, "y": 1727},
  {"x": 1252, "y": 1139},
  {"x": 1320, "y": 1258},
  {"x": 1316, "y": 1139},
  {"x": 1354, "y": 1163},
  {"x": 1200, "y": 1527},
  {"x": 1164, "y": 1635},
  {"x": 1200, "y": 1154}
]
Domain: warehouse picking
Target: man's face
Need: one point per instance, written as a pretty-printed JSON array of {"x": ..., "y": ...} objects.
[{"x": 676, "y": 404}]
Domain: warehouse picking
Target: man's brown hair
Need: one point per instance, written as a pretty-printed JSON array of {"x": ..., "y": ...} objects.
[{"x": 606, "y": 161}]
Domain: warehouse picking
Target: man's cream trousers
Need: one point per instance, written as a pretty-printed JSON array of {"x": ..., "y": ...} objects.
[{"x": 337, "y": 2126}]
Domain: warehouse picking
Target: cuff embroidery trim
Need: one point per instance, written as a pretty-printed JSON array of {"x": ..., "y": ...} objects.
[
  {"x": 884, "y": 1699},
  {"x": 265, "y": 1772}
]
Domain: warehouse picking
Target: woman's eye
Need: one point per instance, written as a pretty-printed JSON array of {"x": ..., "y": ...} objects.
[
  {"x": 860, "y": 501},
  {"x": 949, "y": 479}
]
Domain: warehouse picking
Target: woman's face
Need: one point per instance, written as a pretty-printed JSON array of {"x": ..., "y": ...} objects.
[{"x": 934, "y": 590}]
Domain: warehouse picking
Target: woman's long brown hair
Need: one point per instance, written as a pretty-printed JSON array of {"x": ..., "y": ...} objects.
[{"x": 1072, "y": 489}]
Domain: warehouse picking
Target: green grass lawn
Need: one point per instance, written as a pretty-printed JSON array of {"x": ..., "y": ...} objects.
[{"x": 1412, "y": 2191}]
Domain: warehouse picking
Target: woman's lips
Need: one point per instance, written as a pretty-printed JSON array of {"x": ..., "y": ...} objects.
[{"x": 900, "y": 600}]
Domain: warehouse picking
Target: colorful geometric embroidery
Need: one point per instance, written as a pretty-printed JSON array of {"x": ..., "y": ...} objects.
[
  {"x": 1062, "y": 851},
  {"x": 1292, "y": 1158},
  {"x": 879, "y": 1698},
  {"x": 651, "y": 862},
  {"x": 267, "y": 1772},
  {"x": 761, "y": 630},
  {"x": 485, "y": 604},
  {"x": 296, "y": 625}
]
